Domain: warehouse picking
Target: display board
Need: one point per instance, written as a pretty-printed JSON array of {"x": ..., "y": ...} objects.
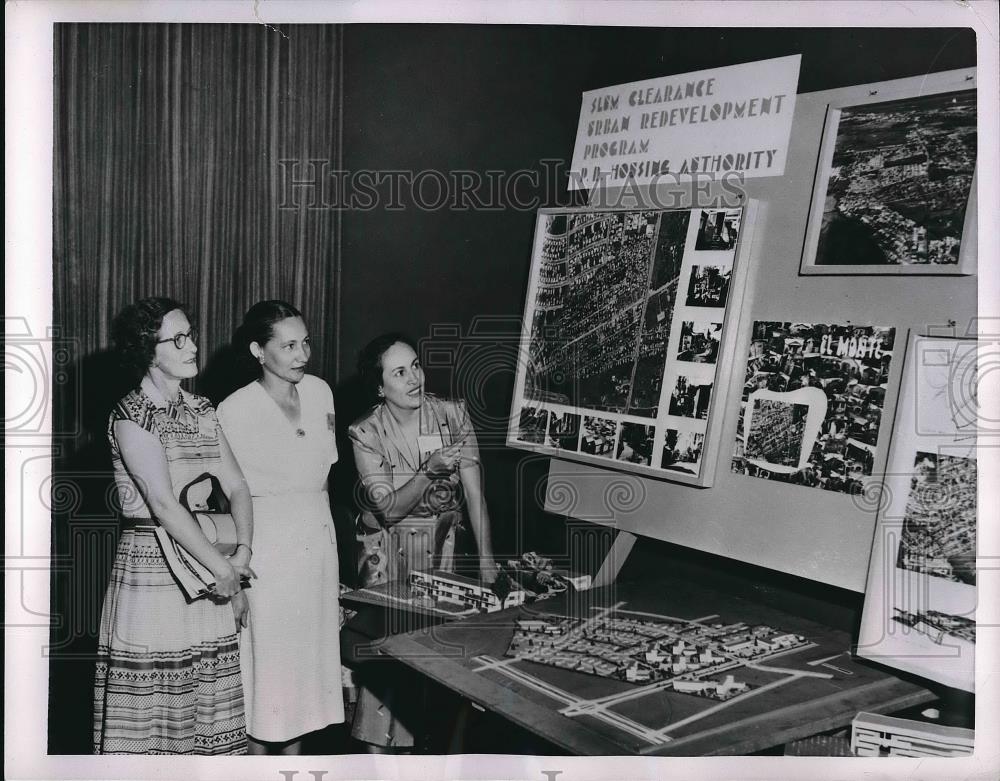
[
  {"x": 628, "y": 336},
  {"x": 822, "y": 535},
  {"x": 920, "y": 604}
]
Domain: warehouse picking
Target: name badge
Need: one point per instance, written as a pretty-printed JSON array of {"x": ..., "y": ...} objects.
[
  {"x": 206, "y": 427},
  {"x": 428, "y": 443}
]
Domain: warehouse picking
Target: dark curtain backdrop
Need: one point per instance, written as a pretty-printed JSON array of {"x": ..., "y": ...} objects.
[
  {"x": 174, "y": 145},
  {"x": 168, "y": 180}
]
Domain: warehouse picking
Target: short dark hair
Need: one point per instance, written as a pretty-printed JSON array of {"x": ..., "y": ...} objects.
[
  {"x": 258, "y": 326},
  {"x": 370, "y": 359},
  {"x": 136, "y": 330}
]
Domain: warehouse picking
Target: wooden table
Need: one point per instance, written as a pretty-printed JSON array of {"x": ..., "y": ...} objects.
[
  {"x": 797, "y": 693},
  {"x": 382, "y": 611}
]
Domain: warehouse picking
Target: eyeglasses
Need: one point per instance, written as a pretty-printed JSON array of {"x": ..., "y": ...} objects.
[{"x": 180, "y": 340}]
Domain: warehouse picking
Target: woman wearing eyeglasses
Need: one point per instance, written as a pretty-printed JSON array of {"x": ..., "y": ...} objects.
[
  {"x": 168, "y": 669},
  {"x": 281, "y": 427}
]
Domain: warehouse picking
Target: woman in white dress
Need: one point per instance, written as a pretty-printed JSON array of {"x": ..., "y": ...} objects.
[{"x": 281, "y": 430}]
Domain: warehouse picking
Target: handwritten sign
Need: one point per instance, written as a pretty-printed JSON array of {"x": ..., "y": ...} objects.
[{"x": 735, "y": 119}]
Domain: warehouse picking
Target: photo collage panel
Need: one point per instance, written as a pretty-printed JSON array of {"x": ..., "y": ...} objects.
[
  {"x": 847, "y": 368},
  {"x": 624, "y": 329}
]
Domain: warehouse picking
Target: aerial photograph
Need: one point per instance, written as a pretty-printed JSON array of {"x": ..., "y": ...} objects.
[
  {"x": 899, "y": 182},
  {"x": 939, "y": 525},
  {"x": 603, "y": 309},
  {"x": 776, "y": 431}
]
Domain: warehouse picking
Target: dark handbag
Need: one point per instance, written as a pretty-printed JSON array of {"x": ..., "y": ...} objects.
[
  {"x": 211, "y": 511},
  {"x": 204, "y": 499}
]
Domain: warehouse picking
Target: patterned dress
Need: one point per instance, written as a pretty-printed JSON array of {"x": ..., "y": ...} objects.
[
  {"x": 386, "y": 461},
  {"x": 168, "y": 669},
  {"x": 388, "y": 713}
]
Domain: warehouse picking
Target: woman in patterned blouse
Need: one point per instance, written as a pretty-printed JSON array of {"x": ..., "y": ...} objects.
[{"x": 168, "y": 669}]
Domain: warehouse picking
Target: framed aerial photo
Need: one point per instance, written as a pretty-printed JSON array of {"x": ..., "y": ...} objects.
[
  {"x": 628, "y": 336},
  {"x": 895, "y": 180},
  {"x": 920, "y": 600}
]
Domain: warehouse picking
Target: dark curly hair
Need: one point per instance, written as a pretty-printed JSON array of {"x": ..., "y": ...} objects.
[
  {"x": 258, "y": 326},
  {"x": 370, "y": 359},
  {"x": 136, "y": 329}
]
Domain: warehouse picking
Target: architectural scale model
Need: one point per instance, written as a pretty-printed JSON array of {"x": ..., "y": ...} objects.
[
  {"x": 536, "y": 575},
  {"x": 464, "y": 592},
  {"x": 660, "y": 678},
  {"x": 689, "y": 657},
  {"x": 874, "y": 735}
]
